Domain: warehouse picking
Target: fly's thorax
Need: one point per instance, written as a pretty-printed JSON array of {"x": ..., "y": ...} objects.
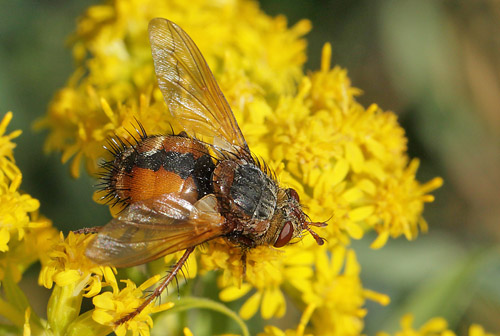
[{"x": 247, "y": 198}]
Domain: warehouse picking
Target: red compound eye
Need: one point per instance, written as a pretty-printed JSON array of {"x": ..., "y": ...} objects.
[
  {"x": 294, "y": 194},
  {"x": 285, "y": 235}
]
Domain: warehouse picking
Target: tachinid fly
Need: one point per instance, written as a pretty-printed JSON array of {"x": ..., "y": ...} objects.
[{"x": 180, "y": 192}]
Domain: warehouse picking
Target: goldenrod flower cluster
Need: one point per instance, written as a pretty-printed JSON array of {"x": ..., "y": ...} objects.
[{"x": 348, "y": 163}]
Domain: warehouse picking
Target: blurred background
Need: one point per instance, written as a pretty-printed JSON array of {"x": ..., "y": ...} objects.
[{"x": 434, "y": 63}]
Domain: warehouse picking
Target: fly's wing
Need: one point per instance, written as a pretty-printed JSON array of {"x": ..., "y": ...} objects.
[
  {"x": 190, "y": 90},
  {"x": 150, "y": 229}
]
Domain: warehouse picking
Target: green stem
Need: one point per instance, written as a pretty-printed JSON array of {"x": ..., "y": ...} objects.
[
  {"x": 63, "y": 308},
  {"x": 191, "y": 302},
  {"x": 11, "y": 313},
  {"x": 84, "y": 325}
]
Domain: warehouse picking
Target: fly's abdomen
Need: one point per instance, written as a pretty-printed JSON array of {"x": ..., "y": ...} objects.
[{"x": 157, "y": 165}]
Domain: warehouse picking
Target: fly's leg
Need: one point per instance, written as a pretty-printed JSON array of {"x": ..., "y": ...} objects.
[
  {"x": 94, "y": 229},
  {"x": 243, "y": 264},
  {"x": 161, "y": 287}
]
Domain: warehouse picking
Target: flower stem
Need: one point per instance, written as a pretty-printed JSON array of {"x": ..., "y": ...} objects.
[
  {"x": 192, "y": 302},
  {"x": 63, "y": 307},
  {"x": 11, "y": 313},
  {"x": 306, "y": 316}
]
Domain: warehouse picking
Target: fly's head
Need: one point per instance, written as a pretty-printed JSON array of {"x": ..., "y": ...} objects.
[{"x": 290, "y": 219}]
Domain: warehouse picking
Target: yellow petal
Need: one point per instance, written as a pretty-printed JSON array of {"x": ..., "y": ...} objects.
[
  {"x": 102, "y": 317},
  {"x": 270, "y": 303},
  {"x": 75, "y": 165},
  {"x": 339, "y": 172},
  {"x": 233, "y": 293},
  {"x": 4, "y": 239},
  {"x": 104, "y": 301},
  {"x": 352, "y": 195},
  {"x": 354, "y": 230},
  {"x": 251, "y": 306},
  {"x": 65, "y": 278},
  {"x": 380, "y": 240},
  {"x": 361, "y": 213},
  {"x": 354, "y": 156},
  {"x": 436, "y": 324},
  {"x": 383, "y": 299}
]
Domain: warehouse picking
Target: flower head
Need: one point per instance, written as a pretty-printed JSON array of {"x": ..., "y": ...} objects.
[
  {"x": 337, "y": 293},
  {"x": 266, "y": 272},
  {"x": 18, "y": 211},
  {"x": 111, "y": 307},
  {"x": 23, "y": 233},
  {"x": 69, "y": 266},
  {"x": 7, "y": 165}
]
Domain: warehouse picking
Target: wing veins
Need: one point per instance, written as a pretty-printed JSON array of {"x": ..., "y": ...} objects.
[
  {"x": 178, "y": 84},
  {"x": 214, "y": 86},
  {"x": 192, "y": 56},
  {"x": 184, "y": 73}
]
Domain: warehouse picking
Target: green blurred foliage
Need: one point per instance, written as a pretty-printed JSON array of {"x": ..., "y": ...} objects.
[{"x": 434, "y": 63}]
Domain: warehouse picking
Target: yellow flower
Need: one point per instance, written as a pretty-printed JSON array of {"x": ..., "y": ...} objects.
[
  {"x": 477, "y": 330},
  {"x": 22, "y": 254},
  {"x": 436, "y": 326},
  {"x": 23, "y": 234},
  {"x": 337, "y": 292},
  {"x": 69, "y": 266},
  {"x": 112, "y": 306},
  {"x": 399, "y": 204},
  {"x": 17, "y": 210},
  {"x": 347, "y": 162},
  {"x": 74, "y": 276},
  {"x": 267, "y": 270},
  {"x": 275, "y": 331},
  {"x": 7, "y": 166}
]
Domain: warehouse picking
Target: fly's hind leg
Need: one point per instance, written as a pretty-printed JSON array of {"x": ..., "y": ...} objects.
[{"x": 161, "y": 287}]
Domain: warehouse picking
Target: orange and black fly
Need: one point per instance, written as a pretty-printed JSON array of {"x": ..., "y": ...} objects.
[{"x": 179, "y": 191}]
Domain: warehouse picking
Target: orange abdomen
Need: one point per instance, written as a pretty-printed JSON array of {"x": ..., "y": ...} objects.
[
  {"x": 157, "y": 165},
  {"x": 143, "y": 183}
]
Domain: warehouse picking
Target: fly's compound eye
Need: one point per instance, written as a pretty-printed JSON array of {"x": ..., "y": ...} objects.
[
  {"x": 285, "y": 235},
  {"x": 293, "y": 194}
]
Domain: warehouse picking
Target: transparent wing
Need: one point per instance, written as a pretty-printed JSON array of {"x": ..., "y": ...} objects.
[
  {"x": 189, "y": 88},
  {"x": 150, "y": 229}
]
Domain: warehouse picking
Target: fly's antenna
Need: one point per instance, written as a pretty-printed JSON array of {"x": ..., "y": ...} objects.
[{"x": 319, "y": 240}]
